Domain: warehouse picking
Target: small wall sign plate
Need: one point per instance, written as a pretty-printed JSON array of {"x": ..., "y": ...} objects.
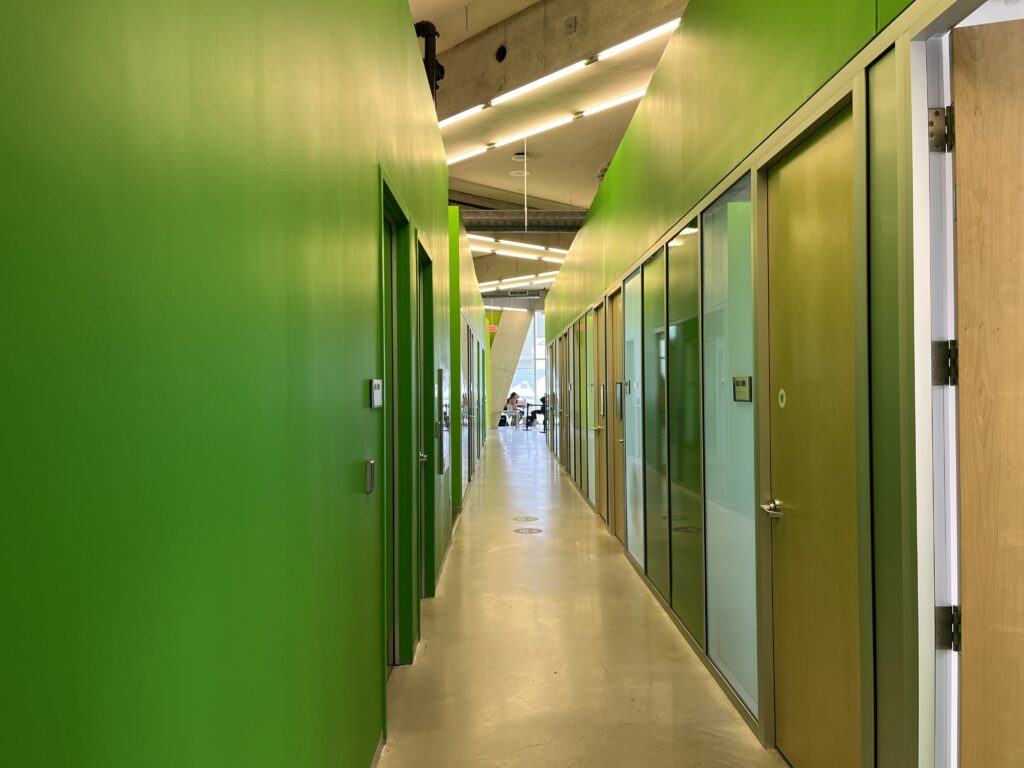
[
  {"x": 377, "y": 393},
  {"x": 743, "y": 389}
]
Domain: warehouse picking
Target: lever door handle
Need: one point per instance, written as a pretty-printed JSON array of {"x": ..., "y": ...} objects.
[
  {"x": 622, "y": 440},
  {"x": 599, "y": 429},
  {"x": 774, "y": 509},
  {"x": 423, "y": 458}
]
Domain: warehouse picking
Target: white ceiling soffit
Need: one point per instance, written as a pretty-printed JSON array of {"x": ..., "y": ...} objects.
[
  {"x": 459, "y": 20},
  {"x": 564, "y": 163}
]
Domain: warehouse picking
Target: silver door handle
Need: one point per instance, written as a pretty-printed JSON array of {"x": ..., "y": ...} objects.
[
  {"x": 423, "y": 458},
  {"x": 622, "y": 439},
  {"x": 774, "y": 509}
]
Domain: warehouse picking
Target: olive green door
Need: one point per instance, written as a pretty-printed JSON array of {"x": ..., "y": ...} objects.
[
  {"x": 600, "y": 433},
  {"x": 813, "y": 419}
]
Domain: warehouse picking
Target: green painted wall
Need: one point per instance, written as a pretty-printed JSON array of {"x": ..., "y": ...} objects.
[
  {"x": 889, "y": 10},
  {"x": 465, "y": 285},
  {"x": 733, "y": 72},
  {"x": 192, "y": 571}
]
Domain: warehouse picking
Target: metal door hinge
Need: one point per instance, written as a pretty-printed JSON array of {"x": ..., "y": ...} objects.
[
  {"x": 947, "y": 627},
  {"x": 941, "y": 129},
  {"x": 945, "y": 363}
]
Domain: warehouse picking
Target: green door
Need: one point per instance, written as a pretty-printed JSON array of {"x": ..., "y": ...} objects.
[{"x": 813, "y": 390}]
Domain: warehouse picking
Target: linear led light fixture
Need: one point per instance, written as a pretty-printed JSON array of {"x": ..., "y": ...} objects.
[
  {"x": 515, "y": 255},
  {"x": 513, "y": 286},
  {"x": 615, "y": 102},
  {"x": 534, "y": 131},
  {"x": 552, "y": 260},
  {"x": 483, "y": 239},
  {"x": 615, "y": 50},
  {"x": 545, "y": 281},
  {"x": 489, "y": 282},
  {"x": 546, "y": 80},
  {"x": 505, "y": 309},
  {"x": 548, "y": 274},
  {"x": 467, "y": 155},
  {"x": 461, "y": 116},
  {"x": 519, "y": 278},
  {"x": 596, "y": 109}
]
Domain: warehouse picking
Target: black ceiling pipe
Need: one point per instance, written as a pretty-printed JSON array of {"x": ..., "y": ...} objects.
[{"x": 435, "y": 72}]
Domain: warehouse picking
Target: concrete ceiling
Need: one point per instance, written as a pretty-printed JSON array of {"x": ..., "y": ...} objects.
[
  {"x": 459, "y": 20},
  {"x": 541, "y": 36},
  {"x": 563, "y": 163}
]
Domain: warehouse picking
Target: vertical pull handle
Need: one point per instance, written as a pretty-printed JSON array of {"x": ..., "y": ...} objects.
[
  {"x": 371, "y": 476},
  {"x": 601, "y": 400}
]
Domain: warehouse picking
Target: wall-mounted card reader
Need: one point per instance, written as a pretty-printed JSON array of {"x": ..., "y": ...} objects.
[
  {"x": 743, "y": 389},
  {"x": 376, "y": 393}
]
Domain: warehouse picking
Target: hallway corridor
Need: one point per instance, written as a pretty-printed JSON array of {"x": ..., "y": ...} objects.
[{"x": 547, "y": 650}]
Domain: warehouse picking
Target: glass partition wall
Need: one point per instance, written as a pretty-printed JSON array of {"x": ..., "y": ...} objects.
[
  {"x": 685, "y": 390},
  {"x": 686, "y": 470},
  {"x": 655, "y": 421},
  {"x": 729, "y": 440},
  {"x": 632, "y": 418}
]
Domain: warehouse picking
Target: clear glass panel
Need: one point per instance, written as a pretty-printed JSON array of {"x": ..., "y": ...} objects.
[
  {"x": 687, "y": 493},
  {"x": 591, "y": 419},
  {"x": 655, "y": 389},
  {"x": 729, "y": 442},
  {"x": 632, "y": 417}
]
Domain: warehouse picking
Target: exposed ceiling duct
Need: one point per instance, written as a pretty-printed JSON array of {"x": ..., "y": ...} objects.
[{"x": 516, "y": 220}]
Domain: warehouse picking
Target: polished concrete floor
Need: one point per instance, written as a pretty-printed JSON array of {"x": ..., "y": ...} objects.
[{"x": 547, "y": 649}]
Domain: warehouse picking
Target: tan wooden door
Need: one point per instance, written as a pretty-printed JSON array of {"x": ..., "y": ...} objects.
[
  {"x": 988, "y": 96},
  {"x": 812, "y": 328},
  {"x": 616, "y": 434},
  {"x": 600, "y": 413}
]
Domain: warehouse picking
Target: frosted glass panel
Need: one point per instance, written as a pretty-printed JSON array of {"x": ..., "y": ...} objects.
[
  {"x": 729, "y": 442},
  {"x": 632, "y": 418}
]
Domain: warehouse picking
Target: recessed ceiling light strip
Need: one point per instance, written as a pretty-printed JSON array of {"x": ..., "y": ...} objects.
[{"x": 615, "y": 50}]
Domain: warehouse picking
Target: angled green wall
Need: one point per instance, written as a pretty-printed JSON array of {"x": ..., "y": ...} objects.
[
  {"x": 732, "y": 73},
  {"x": 190, "y": 226}
]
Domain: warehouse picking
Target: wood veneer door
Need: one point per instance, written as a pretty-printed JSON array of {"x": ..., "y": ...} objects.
[
  {"x": 813, "y": 377},
  {"x": 988, "y": 95},
  {"x": 616, "y": 435}
]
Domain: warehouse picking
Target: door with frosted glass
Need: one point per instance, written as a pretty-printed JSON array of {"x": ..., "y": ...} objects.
[{"x": 633, "y": 417}]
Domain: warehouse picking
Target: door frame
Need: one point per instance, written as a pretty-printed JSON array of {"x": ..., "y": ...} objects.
[{"x": 401, "y": 276}]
